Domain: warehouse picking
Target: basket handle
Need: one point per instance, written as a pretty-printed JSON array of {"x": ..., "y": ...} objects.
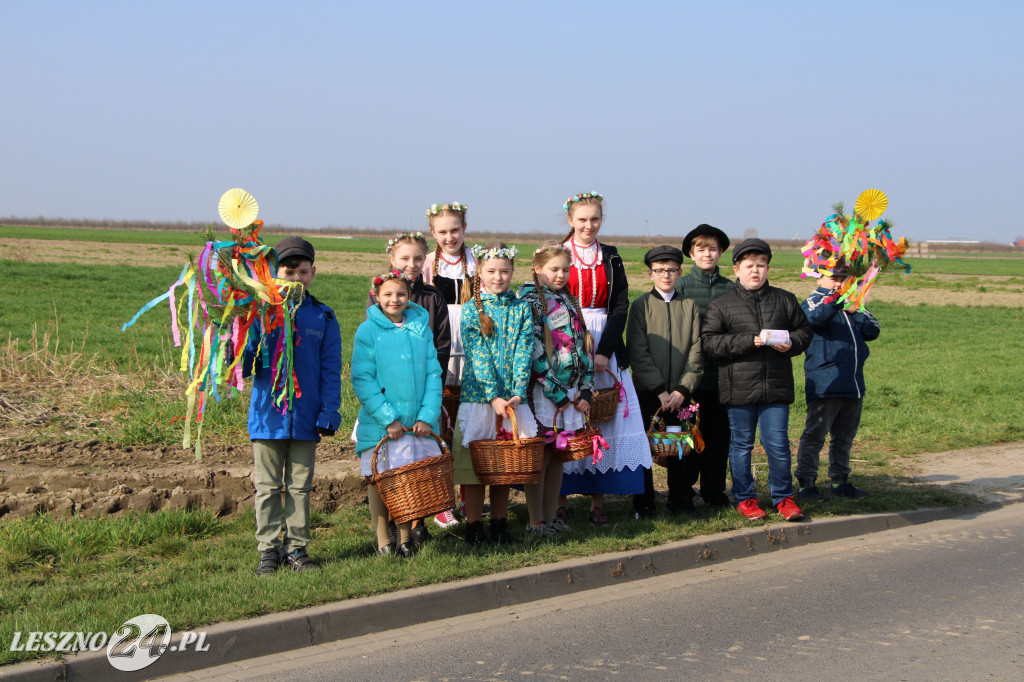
[
  {"x": 515, "y": 425},
  {"x": 386, "y": 438}
]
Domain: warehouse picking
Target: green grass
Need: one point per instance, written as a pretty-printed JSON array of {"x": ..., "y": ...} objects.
[{"x": 193, "y": 569}]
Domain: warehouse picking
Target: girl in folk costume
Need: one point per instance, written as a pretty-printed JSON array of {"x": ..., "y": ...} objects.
[
  {"x": 397, "y": 379},
  {"x": 597, "y": 278},
  {"x": 497, "y": 334},
  {"x": 450, "y": 267},
  {"x": 406, "y": 253},
  {"x": 563, "y": 369}
]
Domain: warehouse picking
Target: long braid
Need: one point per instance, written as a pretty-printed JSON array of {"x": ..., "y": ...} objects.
[
  {"x": 437, "y": 259},
  {"x": 588, "y": 340},
  {"x": 539, "y": 314},
  {"x": 467, "y": 288},
  {"x": 572, "y": 233},
  {"x": 486, "y": 323}
]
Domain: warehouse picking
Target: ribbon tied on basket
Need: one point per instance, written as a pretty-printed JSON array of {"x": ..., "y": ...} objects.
[
  {"x": 622, "y": 398},
  {"x": 599, "y": 445}
]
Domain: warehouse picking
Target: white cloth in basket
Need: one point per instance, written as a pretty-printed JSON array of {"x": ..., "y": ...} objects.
[
  {"x": 395, "y": 453},
  {"x": 476, "y": 421}
]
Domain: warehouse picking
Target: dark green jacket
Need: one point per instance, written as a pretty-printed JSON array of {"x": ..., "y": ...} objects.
[
  {"x": 701, "y": 289},
  {"x": 663, "y": 343}
]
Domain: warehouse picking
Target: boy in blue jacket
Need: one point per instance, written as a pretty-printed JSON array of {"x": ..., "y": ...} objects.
[
  {"x": 284, "y": 444},
  {"x": 834, "y": 369}
]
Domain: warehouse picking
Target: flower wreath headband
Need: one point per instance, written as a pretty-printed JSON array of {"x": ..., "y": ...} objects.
[
  {"x": 579, "y": 197},
  {"x": 393, "y": 274},
  {"x": 416, "y": 236},
  {"x": 562, "y": 248},
  {"x": 482, "y": 254},
  {"x": 453, "y": 206}
]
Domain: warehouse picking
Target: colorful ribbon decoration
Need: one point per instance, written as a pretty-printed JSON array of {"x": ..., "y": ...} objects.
[
  {"x": 849, "y": 245},
  {"x": 599, "y": 445},
  {"x": 231, "y": 285}
]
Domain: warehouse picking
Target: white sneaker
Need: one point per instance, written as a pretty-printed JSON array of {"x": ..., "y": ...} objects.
[
  {"x": 446, "y": 519},
  {"x": 558, "y": 526},
  {"x": 537, "y": 530}
]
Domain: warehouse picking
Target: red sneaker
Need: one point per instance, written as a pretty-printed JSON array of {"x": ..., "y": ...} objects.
[
  {"x": 789, "y": 510},
  {"x": 751, "y": 509}
]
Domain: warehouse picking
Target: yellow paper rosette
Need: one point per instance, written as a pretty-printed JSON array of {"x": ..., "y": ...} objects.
[
  {"x": 871, "y": 204},
  {"x": 238, "y": 208}
]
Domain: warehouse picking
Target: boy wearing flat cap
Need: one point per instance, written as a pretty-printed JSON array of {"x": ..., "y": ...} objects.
[
  {"x": 664, "y": 348},
  {"x": 753, "y": 331},
  {"x": 705, "y": 245},
  {"x": 284, "y": 443}
]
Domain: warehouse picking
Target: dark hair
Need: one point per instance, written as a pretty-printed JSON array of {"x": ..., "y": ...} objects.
[{"x": 293, "y": 262}]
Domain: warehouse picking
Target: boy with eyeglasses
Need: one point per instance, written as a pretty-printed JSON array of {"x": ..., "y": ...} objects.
[{"x": 664, "y": 348}]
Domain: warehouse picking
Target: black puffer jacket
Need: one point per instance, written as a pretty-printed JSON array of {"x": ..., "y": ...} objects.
[{"x": 747, "y": 374}]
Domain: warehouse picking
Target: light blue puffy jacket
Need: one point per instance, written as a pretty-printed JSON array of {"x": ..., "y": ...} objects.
[{"x": 395, "y": 374}]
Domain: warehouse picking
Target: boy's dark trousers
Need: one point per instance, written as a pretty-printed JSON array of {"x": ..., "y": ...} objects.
[
  {"x": 837, "y": 418},
  {"x": 711, "y": 464},
  {"x": 678, "y": 488}
]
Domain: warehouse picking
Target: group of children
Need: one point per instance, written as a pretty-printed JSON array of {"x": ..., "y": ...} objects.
[{"x": 449, "y": 317}]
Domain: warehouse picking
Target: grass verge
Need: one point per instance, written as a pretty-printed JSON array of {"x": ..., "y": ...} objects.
[{"x": 194, "y": 569}]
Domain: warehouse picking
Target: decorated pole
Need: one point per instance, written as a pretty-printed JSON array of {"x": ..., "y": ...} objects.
[{"x": 232, "y": 284}]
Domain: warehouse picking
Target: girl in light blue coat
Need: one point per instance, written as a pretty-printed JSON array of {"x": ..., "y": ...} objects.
[{"x": 397, "y": 380}]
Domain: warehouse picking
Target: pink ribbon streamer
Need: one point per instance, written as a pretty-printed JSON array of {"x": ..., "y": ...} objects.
[
  {"x": 622, "y": 399},
  {"x": 598, "y": 442},
  {"x": 562, "y": 442}
]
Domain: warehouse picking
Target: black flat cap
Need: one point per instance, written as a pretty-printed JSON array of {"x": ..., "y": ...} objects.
[
  {"x": 663, "y": 252},
  {"x": 753, "y": 244},
  {"x": 705, "y": 229},
  {"x": 294, "y": 246}
]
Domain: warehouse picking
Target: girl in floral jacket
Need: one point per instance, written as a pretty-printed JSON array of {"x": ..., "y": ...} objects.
[
  {"x": 497, "y": 336},
  {"x": 563, "y": 372}
]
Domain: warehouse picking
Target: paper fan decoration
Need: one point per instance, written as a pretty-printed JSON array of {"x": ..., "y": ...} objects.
[
  {"x": 871, "y": 204},
  {"x": 238, "y": 208},
  {"x": 851, "y": 246}
]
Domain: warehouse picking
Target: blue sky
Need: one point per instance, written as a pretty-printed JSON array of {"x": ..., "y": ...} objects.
[{"x": 740, "y": 114}]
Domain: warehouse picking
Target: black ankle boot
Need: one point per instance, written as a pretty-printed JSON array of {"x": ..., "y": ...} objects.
[
  {"x": 499, "y": 532},
  {"x": 475, "y": 534}
]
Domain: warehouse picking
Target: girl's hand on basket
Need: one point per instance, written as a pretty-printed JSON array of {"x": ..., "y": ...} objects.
[
  {"x": 499, "y": 405},
  {"x": 395, "y": 430},
  {"x": 664, "y": 398},
  {"x": 421, "y": 428},
  {"x": 583, "y": 407},
  {"x": 600, "y": 363},
  {"x": 514, "y": 402}
]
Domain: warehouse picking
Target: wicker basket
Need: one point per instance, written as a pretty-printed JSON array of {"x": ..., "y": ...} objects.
[
  {"x": 605, "y": 403},
  {"x": 419, "y": 489},
  {"x": 508, "y": 462},
  {"x": 449, "y": 412},
  {"x": 667, "y": 446},
  {"x": 580, "y": 445}
]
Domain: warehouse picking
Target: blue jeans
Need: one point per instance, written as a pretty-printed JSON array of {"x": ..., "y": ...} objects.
[{"x": 773, "y": 420}]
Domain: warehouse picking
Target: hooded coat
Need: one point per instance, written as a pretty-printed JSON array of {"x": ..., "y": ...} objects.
[{"x": 395, "y": 374}]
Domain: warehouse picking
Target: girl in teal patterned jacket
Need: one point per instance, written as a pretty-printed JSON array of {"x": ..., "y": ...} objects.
[
  {"x": 563, "y": 372},
  {"x": 497, "y": 336}
]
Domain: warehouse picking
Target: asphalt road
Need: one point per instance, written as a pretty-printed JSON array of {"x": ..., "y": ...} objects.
[{"x": 944, "y": 601}]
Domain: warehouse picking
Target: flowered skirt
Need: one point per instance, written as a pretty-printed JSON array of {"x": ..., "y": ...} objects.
[{"x": 620, "y": 471}]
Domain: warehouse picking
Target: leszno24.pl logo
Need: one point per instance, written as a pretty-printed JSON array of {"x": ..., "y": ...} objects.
[{"x": 135, "y": 645}]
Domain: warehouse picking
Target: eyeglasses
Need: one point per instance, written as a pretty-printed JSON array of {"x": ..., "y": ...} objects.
[{"x": 665, "y": 271}]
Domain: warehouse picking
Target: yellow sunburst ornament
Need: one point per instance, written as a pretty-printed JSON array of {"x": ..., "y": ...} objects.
[
  {"x": 871, "y": 204},
  {"x": 238, "y": 208}
]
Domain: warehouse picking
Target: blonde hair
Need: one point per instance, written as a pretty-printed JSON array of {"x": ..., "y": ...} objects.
[
  {"x": 704, "y": 240},
  {"x": 408, "y": 238},
  {"x": 466, "y": 292},
  {"x": 486, "y": 323},
  {"x": 584, "y": 201},
  {"x": 541, "y": 257}
]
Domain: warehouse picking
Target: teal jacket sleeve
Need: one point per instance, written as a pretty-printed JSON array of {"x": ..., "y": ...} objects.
[
  {"x": 367, "y": 388},
  {"x": 478, "y": 352},
  {"x": 430, "y": 406},
  {"x": 523, "y": 350}
]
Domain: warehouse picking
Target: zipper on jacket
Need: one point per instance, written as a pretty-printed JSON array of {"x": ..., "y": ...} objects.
[{"x": 671, "y": 346}]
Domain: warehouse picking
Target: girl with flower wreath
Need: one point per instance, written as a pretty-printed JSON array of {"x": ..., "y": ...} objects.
[
  {"x": 597, "y": 277},
  {"x": 450, "y": 267},
  {"x": 397, "y": 380},
  {"x": 406, "y": 253},
  {"x": 563, "y": 372},
  {"x": 497, "y": 334}
]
